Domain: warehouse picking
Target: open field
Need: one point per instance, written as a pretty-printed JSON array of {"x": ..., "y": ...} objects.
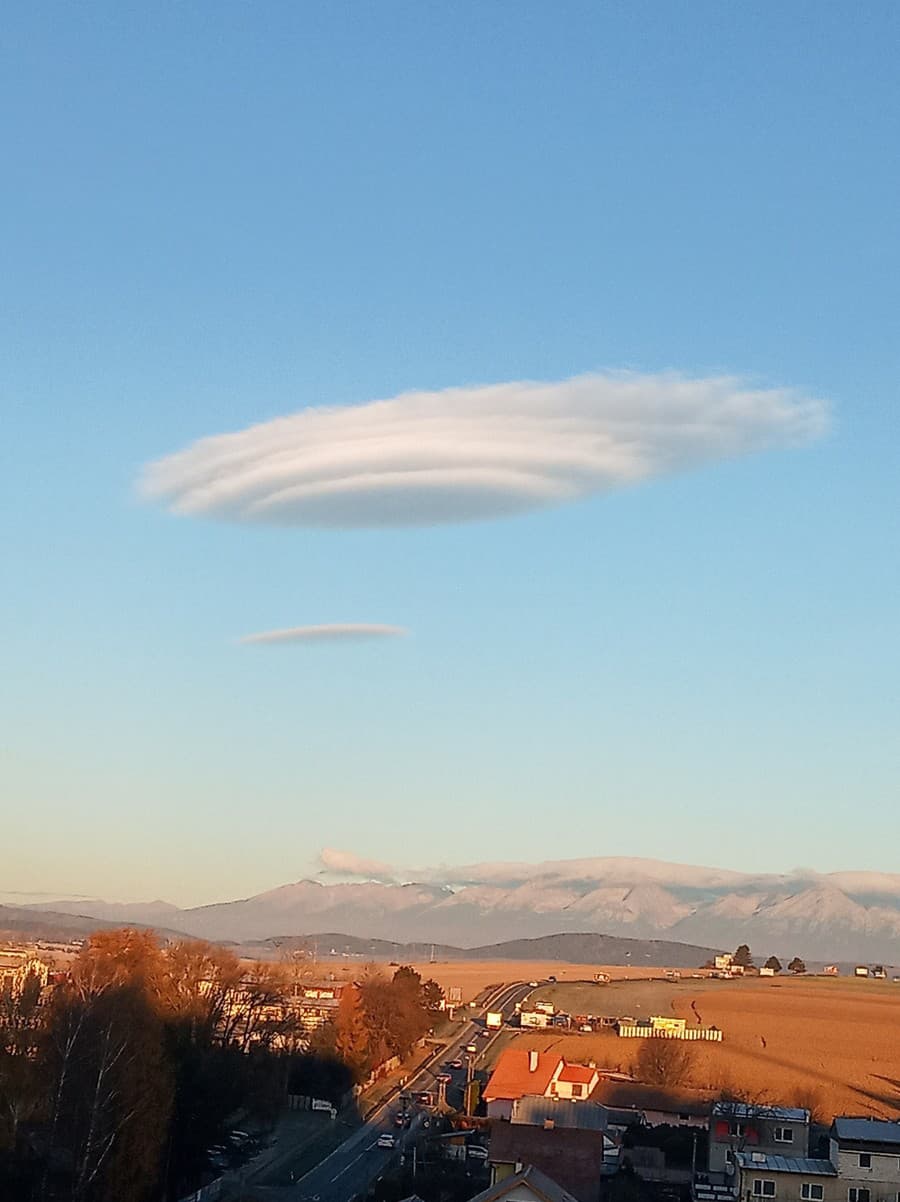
[
  {"x": 831, "y": 1045},
  {"x": 472, "y": 976}
]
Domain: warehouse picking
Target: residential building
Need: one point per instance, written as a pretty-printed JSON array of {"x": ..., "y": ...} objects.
[
  {"x": 16, "y": 966},
  {"x": 575, "y": 1081},
  {"x": 522, "y": 1074},
  {"x": 316, "y": 1005},
  {"x": 566, "y": 1140},
  {"x": 765, "y": 1176},
  {"x": 866, "y": 1154},
  {"x": 769, "y": 1130},
  {"x": 527, "y": 1185}
]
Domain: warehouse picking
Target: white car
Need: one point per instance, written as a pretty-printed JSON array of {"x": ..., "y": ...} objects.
[
  {"x": 386, "y": 1141},
  {"x": 475, "y": 1152}
]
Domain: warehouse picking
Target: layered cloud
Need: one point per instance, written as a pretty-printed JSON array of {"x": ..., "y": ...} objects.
[
  {"x": 473, "y": 453},
  {"x": 332, "y": 632}
]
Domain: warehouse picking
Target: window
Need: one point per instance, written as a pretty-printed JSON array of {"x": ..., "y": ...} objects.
[
  {"x": 736, "y": 1129},
  {"x": 855, "y": 1194},
  {"x": 784, "y": 1135},
  {"x": 766, "y": 1189},
  {"x": 811, "y": 1192},
  {"x": 865, "y": 1160}
]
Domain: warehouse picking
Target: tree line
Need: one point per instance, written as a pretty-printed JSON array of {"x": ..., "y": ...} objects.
[{"x": 116, "y": 1081}]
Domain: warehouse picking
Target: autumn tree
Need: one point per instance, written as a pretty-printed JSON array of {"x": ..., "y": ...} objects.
[
  {"x": 351, "y": 1036},
  {"x": 21, "y": 1086},
  {"x": 664, "y": 1062}
]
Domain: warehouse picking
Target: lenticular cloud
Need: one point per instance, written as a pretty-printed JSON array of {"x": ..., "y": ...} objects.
[
  {"x": 473, "y": 453},
  {"x": 332, "y": 632}
]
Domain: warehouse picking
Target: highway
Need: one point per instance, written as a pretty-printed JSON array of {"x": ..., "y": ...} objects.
[{"x": 349, "y": 1170}]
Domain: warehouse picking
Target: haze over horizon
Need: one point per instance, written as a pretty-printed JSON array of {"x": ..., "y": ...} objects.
[{"x": 472, "y": 439}]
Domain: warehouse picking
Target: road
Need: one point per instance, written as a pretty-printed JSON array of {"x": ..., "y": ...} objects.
[{"x": 350, "y": 1169}]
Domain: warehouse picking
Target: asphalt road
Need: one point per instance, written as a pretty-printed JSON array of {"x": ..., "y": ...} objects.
[{"x": 349, "y": 1170}]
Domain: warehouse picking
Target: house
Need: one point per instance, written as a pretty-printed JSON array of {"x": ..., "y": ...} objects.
[
  {"x": 861, "y": 970},
  {"x": 16, "y": 966},
  {"x": 316, "y": 1005},
  {"x": 628, "y": 1102},
  {"x": 866, "y": 1153},
  {"x": 521, "y": 1074},
  {"x": 760, "y": 1175},
  {"x": 575, "y": 1081},
  {"x": 566, "y": 1140},
  {"x": 527, "y": 1185},
  {"x": 741, "y": 1127},
  {"x": 831, "y": 970},
  {"x": 863, "y": 1165}
]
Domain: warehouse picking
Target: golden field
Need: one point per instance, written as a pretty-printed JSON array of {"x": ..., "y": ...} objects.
[{"x": 832, "y": 1045}]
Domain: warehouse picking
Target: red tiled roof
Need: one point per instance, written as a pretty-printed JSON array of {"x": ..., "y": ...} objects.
[
  {"x": 514, "y": 1078},
  {"x": 577, "y": 1073}
]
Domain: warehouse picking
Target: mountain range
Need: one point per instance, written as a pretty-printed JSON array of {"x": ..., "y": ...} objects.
[{"x": 834, "y": 916}]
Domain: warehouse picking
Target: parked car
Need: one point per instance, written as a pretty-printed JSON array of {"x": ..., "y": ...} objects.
[
  {"x": 455, "y": 1064},
  {"x": 476, "y": 1152}
]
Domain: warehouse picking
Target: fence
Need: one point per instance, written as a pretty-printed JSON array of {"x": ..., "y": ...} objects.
[{"x": 690, "y": 1033}]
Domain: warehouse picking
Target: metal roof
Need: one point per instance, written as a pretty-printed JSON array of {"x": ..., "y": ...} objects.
[
  {"x": 582, "y": 1115},
  {"x": 785, "y": 1164},
  {"x": 871, "y": 1131}
]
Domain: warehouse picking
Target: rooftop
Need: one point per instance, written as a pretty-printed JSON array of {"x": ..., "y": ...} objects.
[
  {"x": 633, "y": 1095},
  {"x": 537, "y": 1183},
  {"x": 577, "y": 1073},
  {"x": 518, "y": 1074},
  {"x": 538, "y": 1112},
  {"x": 869, "y": 1131},
  {"x": 785, "y": 1164}
]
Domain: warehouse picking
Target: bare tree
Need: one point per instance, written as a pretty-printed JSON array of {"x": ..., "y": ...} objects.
[{"x": 664, "y": 1061}]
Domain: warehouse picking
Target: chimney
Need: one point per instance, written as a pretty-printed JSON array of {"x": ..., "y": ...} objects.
[{"x": 532, "y": 1061}]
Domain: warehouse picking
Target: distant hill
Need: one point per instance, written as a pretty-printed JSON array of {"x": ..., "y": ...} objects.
[
  {"x": 584, "y": 948},
  {"x": 20, "y": 922}
]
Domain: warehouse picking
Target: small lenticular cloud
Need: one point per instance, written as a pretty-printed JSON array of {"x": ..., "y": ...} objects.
[{"x": 333, "y": 632}]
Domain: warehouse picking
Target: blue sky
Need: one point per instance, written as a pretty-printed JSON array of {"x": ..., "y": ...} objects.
[{"x": 217, "y": 214}]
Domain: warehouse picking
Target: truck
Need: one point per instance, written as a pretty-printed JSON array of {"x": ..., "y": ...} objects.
[{"x": 494, "y": 1020}]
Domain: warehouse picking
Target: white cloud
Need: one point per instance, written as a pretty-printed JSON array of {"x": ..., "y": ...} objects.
[
  {"x": 471, "y": 453},
  {"x": 346, "y": 863},
  {"x": 333, "y": 632}
]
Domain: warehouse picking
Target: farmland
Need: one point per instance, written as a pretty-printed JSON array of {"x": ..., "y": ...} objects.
[{"x": 828, "y": 1044}]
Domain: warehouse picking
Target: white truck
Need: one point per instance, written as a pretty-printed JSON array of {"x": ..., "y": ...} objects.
[{"x": 494, "y": 1020}]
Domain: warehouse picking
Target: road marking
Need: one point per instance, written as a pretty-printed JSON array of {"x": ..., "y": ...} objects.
[{"x": 351, "y": 1163}]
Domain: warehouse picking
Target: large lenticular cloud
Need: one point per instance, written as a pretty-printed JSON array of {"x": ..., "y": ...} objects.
[{"x": 473, "y": 453}]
